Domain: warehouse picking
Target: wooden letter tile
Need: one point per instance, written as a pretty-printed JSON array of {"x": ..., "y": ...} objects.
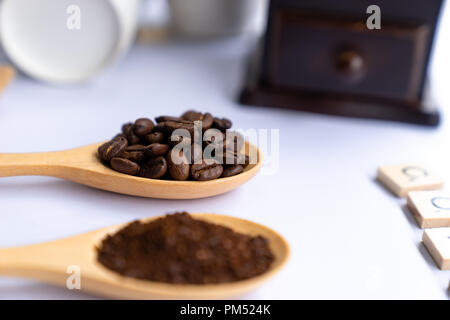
[
  {"x": 430, "y": 208},
  {"x": 402, "y": 179},
  {"x": 437, "y": 241}
]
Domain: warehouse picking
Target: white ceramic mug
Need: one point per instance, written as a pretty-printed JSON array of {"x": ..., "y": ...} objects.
[
  {"x": 66, "y": 41},
  {"x": 199, "y": 18}
]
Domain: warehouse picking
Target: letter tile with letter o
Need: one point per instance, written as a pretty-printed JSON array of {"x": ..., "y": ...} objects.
[
  {"x": 430, "y": 208},
  {"x": 402, "y": 179}
]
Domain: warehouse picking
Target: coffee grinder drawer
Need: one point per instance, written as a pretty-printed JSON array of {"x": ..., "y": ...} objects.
[{"x": 341, "y": 55}]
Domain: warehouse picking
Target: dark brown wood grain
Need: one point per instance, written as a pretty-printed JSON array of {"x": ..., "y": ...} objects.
[{"x": 319, "y": 56}]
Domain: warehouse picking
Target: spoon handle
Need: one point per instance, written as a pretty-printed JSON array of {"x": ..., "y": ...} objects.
[
  {"x": 23, "y": 164},
  {"x": 38, "y": 262},
  {"x": 21, "y": 261},
  {"x": 12, "y": 261}
]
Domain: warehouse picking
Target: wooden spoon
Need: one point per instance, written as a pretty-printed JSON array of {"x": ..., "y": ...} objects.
[
  {"x": 82, "y": 165},
  {"x": 48, "y": 262}
]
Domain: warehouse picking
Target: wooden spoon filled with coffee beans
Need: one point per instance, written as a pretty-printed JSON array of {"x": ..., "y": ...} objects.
[{"x": 191, "y": 156}]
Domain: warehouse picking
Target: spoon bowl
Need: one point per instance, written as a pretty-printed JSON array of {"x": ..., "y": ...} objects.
[
  {"x": 49, "y": 263},
  {"x": 81, "y": 165}
]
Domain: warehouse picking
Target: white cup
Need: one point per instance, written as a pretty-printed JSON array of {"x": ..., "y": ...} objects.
[
  {"x": 200, "y": 18},
  {"x": 66, "y": 41}
]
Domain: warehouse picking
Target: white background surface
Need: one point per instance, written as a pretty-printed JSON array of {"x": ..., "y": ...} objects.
[{"x": 349, "y": 237}]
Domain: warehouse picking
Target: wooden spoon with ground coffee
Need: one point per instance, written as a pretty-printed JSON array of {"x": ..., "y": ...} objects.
[{"x": 246, "y": 254}]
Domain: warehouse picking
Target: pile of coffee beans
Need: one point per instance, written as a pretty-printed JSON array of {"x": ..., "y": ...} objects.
[
  {"x": 158, "y": 151},
  {"x": 180, "y": 249}
]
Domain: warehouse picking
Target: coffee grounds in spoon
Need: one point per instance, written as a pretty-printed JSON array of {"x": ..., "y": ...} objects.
[{"x": 180, "y": 249}]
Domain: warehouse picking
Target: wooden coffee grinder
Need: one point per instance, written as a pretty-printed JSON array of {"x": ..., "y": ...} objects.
[{"x": 322, "y": 56}]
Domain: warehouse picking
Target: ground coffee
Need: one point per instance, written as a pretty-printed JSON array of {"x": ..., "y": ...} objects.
[
  {"x": 145, "y": 149},
  {"x": 180, "y": 249}
]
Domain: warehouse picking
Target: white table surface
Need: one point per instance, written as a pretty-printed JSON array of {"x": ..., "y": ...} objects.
[{"x": 350, "y": 238}]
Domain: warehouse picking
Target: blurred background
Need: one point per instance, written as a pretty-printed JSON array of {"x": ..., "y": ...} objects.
[
  {"x": 351, "y": 58},
  {"x": 71, "y": 41}
]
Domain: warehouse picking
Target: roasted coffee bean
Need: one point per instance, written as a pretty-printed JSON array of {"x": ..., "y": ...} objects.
[
  {"x": 159, "y": 127},
  {"x": 178, "y": 165},
  {"x": 167, "y": 118},
  {"x": 112, "y": 148},
  {"x": 118, "y": 136},
  {"x": 125, "y": 166},
  {"x": 128, "y": 131},
  {"x": 192, "y": 115},
  {"x": 154, "y": 168},
  {"x": 155, "y": 150},
  {"x": 230, "y": 171},
  {"x": 207, "y": 119},
  {"x": 136, "y": 147},
  {"x": 170, "y": 126},
  {"x": 222, "y": 124},
  {"x": 135, "y": 156},
  {"x": 126, "y": 127},
  {"x": 143, "y": 126},
  {"x": 234, "y": 158},
  {"x": 135, "y": 153},
  {"x": 155, "y": 137},
  {"x": 208, "y": 169}
]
